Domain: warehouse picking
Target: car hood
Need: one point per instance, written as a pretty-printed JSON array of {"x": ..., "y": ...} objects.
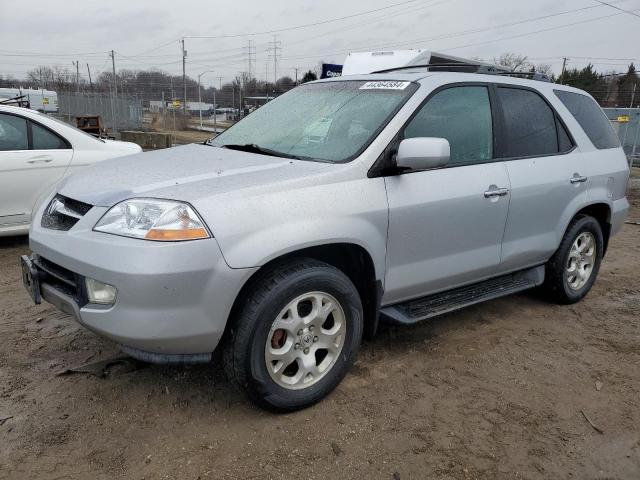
[{"x": 185, "y": 173}]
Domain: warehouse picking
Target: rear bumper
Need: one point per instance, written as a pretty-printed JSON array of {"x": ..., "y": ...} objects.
[
  {"x": 619, "y": 212},
  {"x": 173, "y": 299}
]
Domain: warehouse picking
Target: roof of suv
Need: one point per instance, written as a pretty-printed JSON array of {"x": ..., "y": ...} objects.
[{"x": 420, "y": 74}]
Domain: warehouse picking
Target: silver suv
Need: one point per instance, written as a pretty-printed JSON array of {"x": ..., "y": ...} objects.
[{"x": 397, "y": 196}]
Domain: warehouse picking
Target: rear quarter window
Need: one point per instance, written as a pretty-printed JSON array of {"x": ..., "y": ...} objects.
[{"x": 591, "y": 118}]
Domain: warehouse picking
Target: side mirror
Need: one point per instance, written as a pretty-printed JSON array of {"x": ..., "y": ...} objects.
[{"x": 422, "y": 153}]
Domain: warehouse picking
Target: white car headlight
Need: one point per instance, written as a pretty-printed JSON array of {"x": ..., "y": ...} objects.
[{"x": 152, "y": 219}]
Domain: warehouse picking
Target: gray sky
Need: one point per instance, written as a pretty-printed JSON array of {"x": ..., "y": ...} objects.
[{"x": 145, "y": 33}]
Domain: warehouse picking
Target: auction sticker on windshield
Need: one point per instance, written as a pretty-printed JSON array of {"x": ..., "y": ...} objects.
[{"x": 386, "y": 85}]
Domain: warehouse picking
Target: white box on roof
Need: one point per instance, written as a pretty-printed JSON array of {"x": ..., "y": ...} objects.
[{"x": 368, "y": 62}]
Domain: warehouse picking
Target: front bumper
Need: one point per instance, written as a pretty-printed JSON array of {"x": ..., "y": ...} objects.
[{"x": 173, "y": 299}]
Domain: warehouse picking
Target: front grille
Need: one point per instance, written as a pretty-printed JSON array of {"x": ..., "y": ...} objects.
[
  {"x": 62, "y": 213},
  {"x": 61, "y": 278}
]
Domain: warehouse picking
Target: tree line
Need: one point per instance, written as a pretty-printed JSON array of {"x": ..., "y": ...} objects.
[{"x": 147, "y": 85}]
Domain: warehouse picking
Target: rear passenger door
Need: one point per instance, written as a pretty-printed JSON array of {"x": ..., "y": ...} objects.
[
  {"x": 547, "y": 175},
  {"x": 32, "y": 158},
  {"x": 446, "y": 225}
]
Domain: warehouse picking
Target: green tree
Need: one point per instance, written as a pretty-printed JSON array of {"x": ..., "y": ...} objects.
[
  {"x": 309, "y": 77},
  {"x": 626, "y": 84},
  {"x": 589, "y": 80}
]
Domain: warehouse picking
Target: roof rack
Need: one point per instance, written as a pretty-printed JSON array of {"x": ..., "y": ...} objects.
[
  {"x": 18, "y": 101},
  {"x": 481, "y": 68}
]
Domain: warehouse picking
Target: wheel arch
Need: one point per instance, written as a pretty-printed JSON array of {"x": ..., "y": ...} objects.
[
  {"x": 351, "y": 259},
  {"x": 602, "y": 213}
]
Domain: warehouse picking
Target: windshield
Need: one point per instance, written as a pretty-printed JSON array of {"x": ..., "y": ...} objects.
[
  {"x": 68, "y": 125},
  {"x": 331, "y": 121}
]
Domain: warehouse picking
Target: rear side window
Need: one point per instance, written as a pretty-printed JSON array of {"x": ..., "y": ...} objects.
[
  {"x": 462, "y": 115},
  {"x": 44, "y": 139},
  {"x": 13, "y": 133},
  {"x": 529, "y": 124},
  {"x": 591, "y": 118}
]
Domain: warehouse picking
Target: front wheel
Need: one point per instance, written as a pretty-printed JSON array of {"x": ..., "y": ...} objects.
[
  {"x": 572, "y": 270},
  {"x": 295, "y": 335}
]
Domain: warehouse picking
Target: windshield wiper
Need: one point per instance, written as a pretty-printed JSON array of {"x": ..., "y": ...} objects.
[{"x": 253, "y": 148}]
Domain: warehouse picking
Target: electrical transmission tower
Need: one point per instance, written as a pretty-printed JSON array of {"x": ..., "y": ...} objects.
[
  {"x": 274, "y": 49},
  {"x": 250, "y": 51}
]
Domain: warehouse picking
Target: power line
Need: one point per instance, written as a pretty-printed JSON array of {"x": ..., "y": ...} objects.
[
  {"x": 297, "y": 27},
  {"x": 534, "y": 32},
  {"x": 585, "y": 58},
  {"x": 630, "y": 12},
  {"x": 10, "y": 53},
  {"x": 456, "y": 34}
]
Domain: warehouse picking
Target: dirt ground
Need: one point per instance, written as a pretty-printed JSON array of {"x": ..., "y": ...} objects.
[{"x": 499, "y": 390}]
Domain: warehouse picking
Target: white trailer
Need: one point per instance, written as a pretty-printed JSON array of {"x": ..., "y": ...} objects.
[{"x": 39, "y": 99}]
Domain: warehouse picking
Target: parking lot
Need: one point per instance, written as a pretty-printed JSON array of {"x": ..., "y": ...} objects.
[{"x": 513, "y": 388}]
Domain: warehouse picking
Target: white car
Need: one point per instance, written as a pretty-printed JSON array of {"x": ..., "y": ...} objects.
[{"x": 37, "y": 151}]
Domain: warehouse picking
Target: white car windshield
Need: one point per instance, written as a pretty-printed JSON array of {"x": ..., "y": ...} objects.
[
  {"x": 327, "y": 121},
  {"x": 68, "y": 125}
]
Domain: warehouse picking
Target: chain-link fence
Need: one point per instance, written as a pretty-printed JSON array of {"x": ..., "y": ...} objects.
[
  {"x": 626, "y": 123},
  {"x": 123, "y": 113}
]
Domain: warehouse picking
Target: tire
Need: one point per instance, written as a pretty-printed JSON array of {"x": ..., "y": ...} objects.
[
  {"x": 563, "y": 286},
  {"x": 304, "y": 286}
]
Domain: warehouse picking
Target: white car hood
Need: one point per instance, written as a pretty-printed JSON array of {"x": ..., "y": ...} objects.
[{"x": 186, "y": 173}]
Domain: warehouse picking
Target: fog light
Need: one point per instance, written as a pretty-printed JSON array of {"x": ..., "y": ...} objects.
[{"x": 100, "y": 293}]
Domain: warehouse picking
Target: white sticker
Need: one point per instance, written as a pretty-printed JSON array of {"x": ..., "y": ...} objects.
[{"x": 385, "y": 85}]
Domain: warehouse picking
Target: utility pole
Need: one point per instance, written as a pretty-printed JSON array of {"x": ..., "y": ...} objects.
[
  {"x": 184, "y": 77},
  {"x": 41, "y": 90},
  {"x": 564, "y": 66},
  {"x": 115, "y": 92},
  {"x": 200, "y": 97},
  {"x": 164, "y": 113},
  {"x": 274, "y": 47},
  {"x": 215, "y": 106},
  {"x": 296, "y": 69},
  {"x": 173, "y": 108},
  {"x": 90, "y": 82},
  {"x": 77, "y": 65}
]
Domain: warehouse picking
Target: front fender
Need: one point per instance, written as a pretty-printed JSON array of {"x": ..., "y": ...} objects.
[{"x": 255, "y": 229}]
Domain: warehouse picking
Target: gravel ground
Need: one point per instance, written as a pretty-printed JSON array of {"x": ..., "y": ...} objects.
[{"x": 499, "y": 390}]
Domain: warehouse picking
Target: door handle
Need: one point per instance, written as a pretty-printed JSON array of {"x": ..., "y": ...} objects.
[
  {"x": 40, "y": 159},
  {"x": 496, "y": 192},
  {"x": 577, "y": 178}
]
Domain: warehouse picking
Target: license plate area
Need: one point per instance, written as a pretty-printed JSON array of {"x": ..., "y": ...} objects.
[{"x": 30, "y": 279}]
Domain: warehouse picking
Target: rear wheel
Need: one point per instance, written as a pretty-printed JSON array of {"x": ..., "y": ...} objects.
[
  {"x": 295, "y": 335},
  {"x": 572, "y": 270}
]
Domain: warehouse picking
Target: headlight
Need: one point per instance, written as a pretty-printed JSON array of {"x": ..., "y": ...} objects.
[{"x": 152, "y": 219}]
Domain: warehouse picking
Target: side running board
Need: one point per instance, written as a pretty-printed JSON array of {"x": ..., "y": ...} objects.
[{"x": 431, "y": 306}]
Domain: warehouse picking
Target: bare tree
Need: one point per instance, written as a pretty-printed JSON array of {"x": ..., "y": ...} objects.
[
  {"x": 514, "y": 61},
  {"x": 545, "y": 69},
  {"x": 54, "y": 78}
]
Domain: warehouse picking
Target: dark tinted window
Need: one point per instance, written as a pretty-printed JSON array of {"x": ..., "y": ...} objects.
[
  {"x": 564, "y": 140},
  {"x": 462, "y": 115},
  {"x": 44, "y": 139},
  {"x": 13, "y": 133},
  {"x": 591, "y": 118},
  {"x": 529, "y": 124}
]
